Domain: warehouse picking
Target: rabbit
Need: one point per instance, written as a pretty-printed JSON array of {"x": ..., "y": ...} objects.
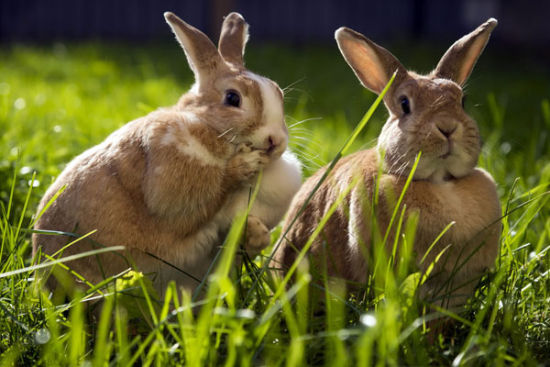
[
  {"x": 166, "y": 186},
  {"x": 426, "y": 115}
]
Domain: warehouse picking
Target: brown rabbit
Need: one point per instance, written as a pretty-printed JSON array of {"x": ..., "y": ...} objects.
[
  {"x": 425, "y": 115},
  {"x": 170, "y": 183}
]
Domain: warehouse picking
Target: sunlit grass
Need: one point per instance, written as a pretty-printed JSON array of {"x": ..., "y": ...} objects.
[{"x": 56, "y": 101}]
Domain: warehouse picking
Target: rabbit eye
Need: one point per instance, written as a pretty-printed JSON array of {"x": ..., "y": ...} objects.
[
  {"x": 463, "y": 101},
  {"x": 405, "y": 105},
  {"x": 232, "y": 98}
]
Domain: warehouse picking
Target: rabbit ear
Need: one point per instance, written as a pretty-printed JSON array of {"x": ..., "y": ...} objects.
[
  {"x": 373, "y": 65},
  {"x": 233, "y": 38},
  {"x": 202, "y": 55},
  {"x": 460, "y": 58}
]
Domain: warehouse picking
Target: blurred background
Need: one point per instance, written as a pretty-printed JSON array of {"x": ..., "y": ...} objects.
[{"x": 524, "y": 22}]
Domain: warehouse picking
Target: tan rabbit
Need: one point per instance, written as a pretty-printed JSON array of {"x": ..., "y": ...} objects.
[
  {"x": 425, "y": 115},
  {"x": 167, "y": 186}
]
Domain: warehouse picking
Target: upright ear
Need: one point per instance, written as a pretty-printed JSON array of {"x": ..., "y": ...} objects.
[
  {"x": 233, "y": 38},
  {"x": 202, "y": 55},
  {"x": 460, "y": 58},
  {"x": 373, "y": 65}
]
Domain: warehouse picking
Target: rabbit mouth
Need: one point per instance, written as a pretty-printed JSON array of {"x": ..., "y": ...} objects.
[
  {"x": 448, "y": 150},
  {"x": 273, "y": 147},
  {"x": 274, "y": 151},
  {"x": 446, "y": 155}
]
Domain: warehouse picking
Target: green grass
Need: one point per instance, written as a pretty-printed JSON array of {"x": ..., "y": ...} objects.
[{"x": 56, "y": 101}]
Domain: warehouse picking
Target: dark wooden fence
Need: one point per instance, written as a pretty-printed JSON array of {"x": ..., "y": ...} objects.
[{"x": 289, "y": 20}]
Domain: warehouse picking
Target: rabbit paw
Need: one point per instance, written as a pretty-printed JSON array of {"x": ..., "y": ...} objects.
[
  {"x": 246, "y": 163},
  {"x": 243, "y": 148},
  {"x": 257, "y": 236}
]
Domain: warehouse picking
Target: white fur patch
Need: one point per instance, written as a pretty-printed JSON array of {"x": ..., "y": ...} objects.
[
  {"x": 190, "y": 117},
  {"x": 273, "y": 115},
  {"x": 195, "y": 149},
  {"x": 194, "y": 88},
  {"x": 189, "y": 145},
  {"x": 281, "y": 180},
  {"x": 273, "y": 108}
]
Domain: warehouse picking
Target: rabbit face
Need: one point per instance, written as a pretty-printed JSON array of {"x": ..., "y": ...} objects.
[
  {"x": 426, "y": 115},
  {"x": 425, "y": 112},
  {"x": 256, "y": 106},
  {"x": 242, "y": 107},
  {"x": 272, "y": 135}
]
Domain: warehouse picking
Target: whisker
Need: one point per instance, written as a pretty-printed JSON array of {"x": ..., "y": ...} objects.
[
  {"x": 301, "y": 147},
  {"x": 308, "y": 154},
  {"x": 310, "y": 167},
  {"x": 296, "y": 127},
  {"x": 309, "y": 163},
  {"x": 306, "y": 120},
  {"x": 225, "y": 132},
  {"x": 308, "y": 143},
  {"x": 305, "y": 138},
  {"x": 314, "y": 158},
  {"x": 294, "y": 83},
  {"x": 301, "y": 132}
]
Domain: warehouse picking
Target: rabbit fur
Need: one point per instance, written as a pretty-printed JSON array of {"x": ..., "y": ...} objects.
[
  {"x": 425, "y": 115},
  {"x": 169, "y": 184}
]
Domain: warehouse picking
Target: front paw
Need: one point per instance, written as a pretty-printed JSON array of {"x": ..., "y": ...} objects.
[
  {"x": 246, "y": 163},
  {"x": 257, "y": 236}
]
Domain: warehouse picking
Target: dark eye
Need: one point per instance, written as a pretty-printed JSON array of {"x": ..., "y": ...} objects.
[
  {"x": 232, "y": 98},
  {"x": 405, "y": 105},
  {"x": 463, "y": 101}
]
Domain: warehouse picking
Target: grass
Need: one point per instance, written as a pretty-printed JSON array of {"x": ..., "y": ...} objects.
[{"x": 57, "y": 100}]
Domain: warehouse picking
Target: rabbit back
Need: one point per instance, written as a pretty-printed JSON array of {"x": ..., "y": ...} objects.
[{"x": 109, "y": 188}]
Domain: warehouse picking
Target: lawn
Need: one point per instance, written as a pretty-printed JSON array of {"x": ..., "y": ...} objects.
[{"x": 58, "y": 100}]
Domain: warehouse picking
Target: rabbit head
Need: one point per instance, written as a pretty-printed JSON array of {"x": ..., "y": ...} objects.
[
  {"x": 426, "y": 112},
  {"x": 242, "y": 107}
]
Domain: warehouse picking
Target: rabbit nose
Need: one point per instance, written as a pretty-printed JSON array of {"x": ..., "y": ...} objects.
[
  {"x": 276, "y": 144},
  {"x": 446, "y": 129},
  {"x": 272, "y": 143}
]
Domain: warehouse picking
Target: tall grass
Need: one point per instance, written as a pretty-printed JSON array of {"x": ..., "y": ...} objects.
[{"x": 74, "y": 96}]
